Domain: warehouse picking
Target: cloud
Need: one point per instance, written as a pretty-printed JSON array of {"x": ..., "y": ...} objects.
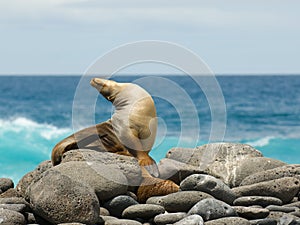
[{"x": 193, "y": 14}]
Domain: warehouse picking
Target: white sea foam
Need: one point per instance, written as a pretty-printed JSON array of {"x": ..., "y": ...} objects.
[
  {"x": 22, "y": 124},
  {"x": 261, "y": 142}
]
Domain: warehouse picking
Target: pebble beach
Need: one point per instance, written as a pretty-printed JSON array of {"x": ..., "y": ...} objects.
[{"x": 219, "y": 183}]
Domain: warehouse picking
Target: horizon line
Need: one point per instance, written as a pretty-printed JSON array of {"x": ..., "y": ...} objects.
[{"x": 149, "y": 74}]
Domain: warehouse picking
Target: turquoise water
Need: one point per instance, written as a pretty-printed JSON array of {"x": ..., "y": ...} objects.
[{"x": 36, "y": 112}]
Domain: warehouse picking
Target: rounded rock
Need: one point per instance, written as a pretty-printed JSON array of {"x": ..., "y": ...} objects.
[
  {"x": 273, "y": 174},
  {"x": 229, "y": 221},
  {"x": 182, "y": 201},
  {"x": 282, "y": 208},
  {"x": 278, "y": 215},
  {"x": 11, "y": 217},
  {"x": 59, "y": 199},
  {"x": 168, "y": 218},
  {"x": 191, "y": 220},
  {"x": 5, "y": 184},
  {"x": 210, "y": 185},
  {"x": 284, "y": 188},
  {"x": 266, "y": 221},
  {"x": 122, "y": 222},
  {"x": 211, "y": 208},
  {"x": 257, "y": 200},
  {"x": 15, "y": 200},
  {"x": 14, "y": 207},
  {"x": 251, "y": 213},
  {"x": 117, "y": 205},
  {"x": 143, "y": 211}
]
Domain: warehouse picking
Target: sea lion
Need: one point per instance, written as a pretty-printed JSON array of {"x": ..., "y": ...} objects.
[{"x": 130, "y": 131}]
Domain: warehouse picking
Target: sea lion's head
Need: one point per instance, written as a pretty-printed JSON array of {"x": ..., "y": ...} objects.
[{"x": 108, "y": 88}]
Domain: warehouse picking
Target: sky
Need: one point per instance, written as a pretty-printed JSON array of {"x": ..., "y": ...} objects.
[{"x": 232, "y": 37}]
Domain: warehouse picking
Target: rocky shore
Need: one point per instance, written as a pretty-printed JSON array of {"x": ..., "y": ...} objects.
[{"x": 220, "y": 183}]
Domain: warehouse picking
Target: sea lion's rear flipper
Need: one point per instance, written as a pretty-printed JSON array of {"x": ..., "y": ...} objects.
[
  {"x": 152, "y": 186},
  {"x": 60, "y": 148},
  {"x": 150, "y": 166}
]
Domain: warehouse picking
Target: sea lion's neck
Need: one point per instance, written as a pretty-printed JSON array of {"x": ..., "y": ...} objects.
[{"x": 128, "y": 97}]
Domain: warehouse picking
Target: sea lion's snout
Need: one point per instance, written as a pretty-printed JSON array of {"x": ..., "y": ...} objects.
[
  {"x": 97, "y": 83},
  {"x": 105, "y": 87}
]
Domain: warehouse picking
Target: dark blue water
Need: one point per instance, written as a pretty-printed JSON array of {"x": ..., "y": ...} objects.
[{"x": 36, "y": 112}]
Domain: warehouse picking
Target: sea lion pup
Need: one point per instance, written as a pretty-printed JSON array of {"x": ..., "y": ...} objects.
[{"x": 131, "y": 130}]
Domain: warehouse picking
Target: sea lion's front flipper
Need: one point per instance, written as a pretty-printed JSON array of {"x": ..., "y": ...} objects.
[{"x": 77, "y": 140}]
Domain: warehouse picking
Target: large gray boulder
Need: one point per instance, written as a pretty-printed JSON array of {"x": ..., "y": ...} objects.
[
  {"x": 250, "y": 166},
  {"x": 59, "y": 199},
  {"x": 217, "y": 159},
  {"x": 129, "y": 166},
  {"x": 107, "y": 181},
  {"x": 272, "y": 174},
  {"x": 176, "y": 171}
]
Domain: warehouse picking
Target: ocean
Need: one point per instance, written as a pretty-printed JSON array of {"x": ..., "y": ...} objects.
[{"x": 264, "y": 111}]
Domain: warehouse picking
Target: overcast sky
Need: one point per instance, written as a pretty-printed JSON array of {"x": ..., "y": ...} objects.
[{"x": 232, "y": 37}]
